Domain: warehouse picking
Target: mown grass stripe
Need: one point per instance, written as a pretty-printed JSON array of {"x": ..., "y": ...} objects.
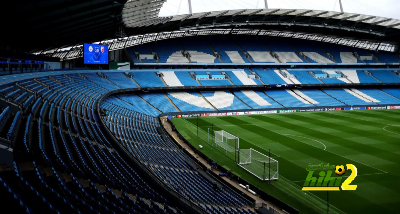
[
  {"x": 342, "y": 141},
  {"x": 383, "y": 116}
]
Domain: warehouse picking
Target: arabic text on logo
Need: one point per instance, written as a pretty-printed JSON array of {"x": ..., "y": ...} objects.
[{"x": 327, "y": 181}]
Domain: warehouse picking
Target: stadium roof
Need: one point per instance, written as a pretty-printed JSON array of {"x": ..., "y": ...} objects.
[
  {"x": 121, "y": 43},
  {"x": 52, "y": 26},
  {"x": 311, "y": 21},
  {"x": 382, "y": 8},
  {"x": 36, "y": 25}
]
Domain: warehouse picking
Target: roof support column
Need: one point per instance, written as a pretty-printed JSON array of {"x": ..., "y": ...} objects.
[
  {"x": 190, "y": 6},
  {"x": 341, "y": 6},
  {"x": 266, "y": 4}
]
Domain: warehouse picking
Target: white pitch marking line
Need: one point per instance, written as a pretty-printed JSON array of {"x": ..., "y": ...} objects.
[
  {"x": 316, "y": 147},
  {"x": 328, "y": 151},
  {"x": 279, "y": 156},
  {"x": 384, "y": 128},
  {"x": 358, "y": 118},
  {"x": 309, "y": 139}
]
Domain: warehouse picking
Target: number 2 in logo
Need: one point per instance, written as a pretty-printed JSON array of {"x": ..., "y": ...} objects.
[{"x": 346, "y": 184}]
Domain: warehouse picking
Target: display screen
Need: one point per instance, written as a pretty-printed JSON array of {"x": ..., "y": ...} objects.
[{"x": 95, "y": 54}]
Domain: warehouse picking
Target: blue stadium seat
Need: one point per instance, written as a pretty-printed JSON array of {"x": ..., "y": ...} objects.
[{"x": 385, "y": 76}]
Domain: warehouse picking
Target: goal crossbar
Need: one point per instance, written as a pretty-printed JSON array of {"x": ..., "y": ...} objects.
[
  {"x": 227, "y": 143},
  {"x": 258, "y": 164},
  {"x": 253, "y": 161},
  {"x": 226, "y": 140}
]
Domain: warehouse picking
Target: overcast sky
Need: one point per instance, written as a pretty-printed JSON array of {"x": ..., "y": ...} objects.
[{"x": 384, "y": 8}]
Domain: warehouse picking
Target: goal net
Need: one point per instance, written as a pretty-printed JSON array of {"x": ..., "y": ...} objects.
[
  {"x": 226, "y": 142},
  {"x": 258, "y": 164}
]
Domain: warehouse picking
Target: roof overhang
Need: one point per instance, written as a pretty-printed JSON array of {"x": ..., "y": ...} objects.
[
  {"x": 308, "y": 21},
  {"x": 141, "y": 21},
  {"x": 38, "y": 25},
  {"x": 122, "y": 43}
]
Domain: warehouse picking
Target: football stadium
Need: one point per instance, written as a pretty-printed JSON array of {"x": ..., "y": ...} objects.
[{"x": 200, "y": 106}]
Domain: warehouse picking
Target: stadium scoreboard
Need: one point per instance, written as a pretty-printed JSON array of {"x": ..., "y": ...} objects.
[{"x": 95, "y": 54}]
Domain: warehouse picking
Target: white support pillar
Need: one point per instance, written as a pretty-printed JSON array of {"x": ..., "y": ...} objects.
[
  {"x": 341, "y": 6},
  {"x": 190, "y": 6},
  {"x": 266, "y": 4}
]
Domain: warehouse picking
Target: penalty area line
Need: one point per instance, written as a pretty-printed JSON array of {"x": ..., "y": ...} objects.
[{"x": 327, "y": 151}]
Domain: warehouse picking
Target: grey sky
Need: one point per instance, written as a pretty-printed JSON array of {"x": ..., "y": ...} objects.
[{"x": 384, "y": 8}]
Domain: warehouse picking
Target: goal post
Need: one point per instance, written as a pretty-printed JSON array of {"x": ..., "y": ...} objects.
[
  {"x": 258, "y": 164},
  {"x": 227, "y": 143}
]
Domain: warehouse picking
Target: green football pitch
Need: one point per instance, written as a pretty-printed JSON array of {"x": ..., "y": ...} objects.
[{"x": 370, "y": 140}]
